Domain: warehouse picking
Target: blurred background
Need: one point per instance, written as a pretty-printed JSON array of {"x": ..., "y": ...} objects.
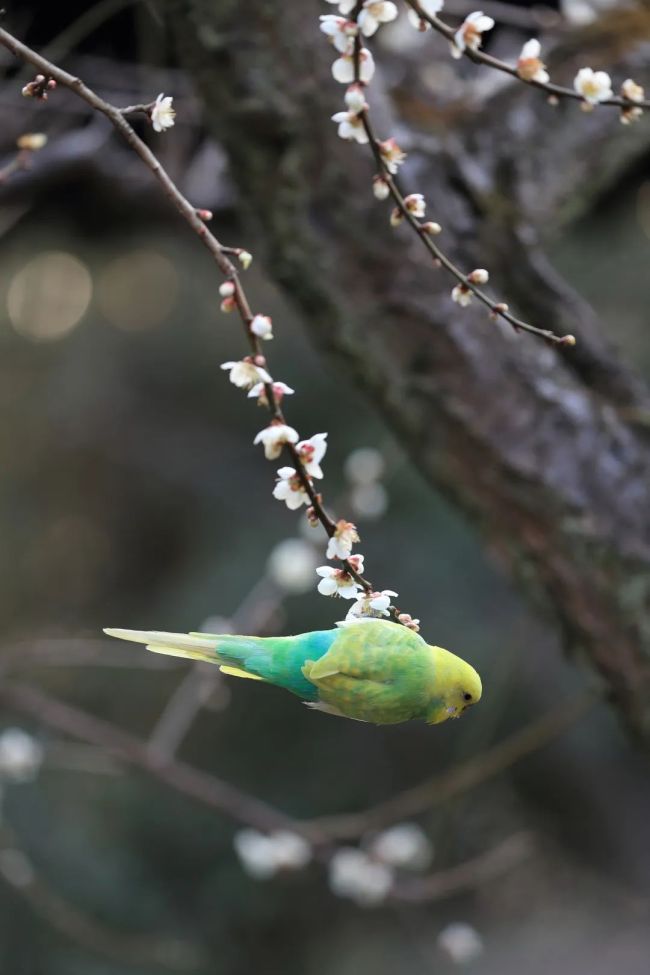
[{"x": 132, "y": 496}]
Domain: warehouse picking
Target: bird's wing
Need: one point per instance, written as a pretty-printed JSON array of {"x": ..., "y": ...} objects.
[{"x": 375, "y": 651}]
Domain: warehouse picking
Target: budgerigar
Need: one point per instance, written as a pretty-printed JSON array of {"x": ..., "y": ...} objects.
[{"x": 373, "y": 670}]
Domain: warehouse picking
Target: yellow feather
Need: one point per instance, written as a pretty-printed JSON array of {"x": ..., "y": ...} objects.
[{"x": 236, "y": 672}]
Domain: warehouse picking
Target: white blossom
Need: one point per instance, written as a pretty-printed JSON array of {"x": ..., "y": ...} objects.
[
  {"x": 375, "y": 13},
  {"x": 415, "y": 204},
  {"x": 380, "y": 188},
  {"x": 291, "y": 566},
  {"x": 245, "y": 259},
  {"x": 391, "y": 154},
  {"x": 430, "y": 7},
  {"x": 21, "y": 755},
  {"x": 372, "y": 605},
  {"x": 355, "y": 99},
  {"x": 311, "y": 453},
  {"x": 353, "y": 874},
  {"x": 263, "y": 856},
  {"x": 529, "y": 65},
  {"x": 33, "y": 141},
  {"x": 290, "y": 489},
  {"x": 594, "y": 86},
  {"x": 245, "y": 374},
  {"x": 461, "y": 942},
  {"x": 405, "y": 846},
  {"x": 479, "y": 276},
  {"x": 262, "y": 326},
  {"x": 280, "y": 390},
  {"x": 470, "y": 33},
  {"x": 340, "y": 31},
  {"x": 343, "y": 68},
  {"x": 162, "y": 113},
  {"x": 462, "y": 295},
  {"x": 274, "y": 437},
  {"x": 227, "y": 289},
  {"x": 351, "y": 127},
  {"x": 339, "y": 582},
  {"x": 631, "y": 90},
  {"x": 340, "y": 544}
]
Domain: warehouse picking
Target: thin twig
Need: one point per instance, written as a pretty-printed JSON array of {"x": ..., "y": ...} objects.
[
  {"x": 469, "y": 875},
  {"x": 218, "y": 252},
  {"x": 480, "y": 57},
  {"x": 497, "y": 309}
]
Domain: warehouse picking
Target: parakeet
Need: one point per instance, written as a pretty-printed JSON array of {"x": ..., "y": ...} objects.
[{"x": 372, "y": 670}]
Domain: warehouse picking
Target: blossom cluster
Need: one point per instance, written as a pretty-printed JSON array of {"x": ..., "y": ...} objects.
[{"x": 364, "y": 874}]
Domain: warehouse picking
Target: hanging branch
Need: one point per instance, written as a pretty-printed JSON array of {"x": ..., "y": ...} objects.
[
  {"x": 296, "y": 484},
  {"x": 589, "y": 90}
]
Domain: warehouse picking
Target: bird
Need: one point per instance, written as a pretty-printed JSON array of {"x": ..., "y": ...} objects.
[{"x": 370, "y": 670}]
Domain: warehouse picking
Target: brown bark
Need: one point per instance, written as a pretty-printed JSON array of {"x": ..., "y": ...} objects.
[{"x": 545, "y": 450}]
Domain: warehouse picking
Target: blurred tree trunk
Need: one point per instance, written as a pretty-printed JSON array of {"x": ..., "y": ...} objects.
[{"x": 548, "y": 452}]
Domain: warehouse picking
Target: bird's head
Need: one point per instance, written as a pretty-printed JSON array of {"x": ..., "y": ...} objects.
[{"x": 458, "y": 688}]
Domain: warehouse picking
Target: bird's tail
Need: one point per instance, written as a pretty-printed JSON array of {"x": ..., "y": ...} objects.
[{"x": 230, "y": 652}]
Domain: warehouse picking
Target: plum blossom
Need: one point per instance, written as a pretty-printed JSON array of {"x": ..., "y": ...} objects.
[
  {"x": 430, "y": 7},
  {"x": 372, "y": 605},
  {"x": 470, "y": 33},
  {"x": 594, "y": 86},
  {"x": 462, "y": 295},
  {"x": 391, "y": 154},
  {"x": 290, "y": 489},
  {"x": 634, "y": 93},
  {"x": 311, "y": 453},
  {"x": 351, "y": 127},
  {"x": 245, "y": 259},
  {"x": 529, "y": 65},
  {"x": 162, "y": 113},
  {"x": 274, "y": 437},
  {"x": 355, "y": 99},
  {"x": 262, "y": 326},
  {"x": 340, "y": 31},
  {"x": 343, "y": 68},
  {"x": 461, "y": 942},
  {"x": 353, "y": 874},
  {"x": 339, "y": 582},
  {"x": 280, "y": 390},
  {"x": 479, "y": 276},
  {"x": 374, "y": 14},
  {"x": 227, "y": 289},
  {"x": 409, "y": 622},
  {"x": 33, "y": 141},
  {"x": 415, "y": 204},
  {"x": 380, "y": 188},
  {"x": 263, "y": 856},
  {"x": 245, "y": 374},
  {"x": 21, "y": 756},
  {"x": 340, "y": 544},
  {"x": 405, "y": 846}
]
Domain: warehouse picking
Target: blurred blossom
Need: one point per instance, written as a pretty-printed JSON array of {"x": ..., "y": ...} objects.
[
  {"x": 49, "y": 295},
  {"x": 369, "y": 500},
  {"x": 353, "y": 874},
  {"x": 364, "y": 466},
  {"x": 405, "y": 845},
  {"x": 263, "y": 856},
  {"x": 292, "y": 564},
  {"x": 582, "y": 12},
  {"x": 138, "y": 290},
  {"x": 217, "y": 624},
  {"x": 461, "y": 942},
  {"x": 21, "y": 755}
]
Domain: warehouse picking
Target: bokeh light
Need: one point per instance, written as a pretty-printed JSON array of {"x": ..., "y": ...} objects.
[
  {"x": 49, "y": 295},
  {"x": 138, "y": 290}
]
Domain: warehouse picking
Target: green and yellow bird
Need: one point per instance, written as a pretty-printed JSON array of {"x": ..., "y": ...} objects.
[{"x": 372, "y": 670}]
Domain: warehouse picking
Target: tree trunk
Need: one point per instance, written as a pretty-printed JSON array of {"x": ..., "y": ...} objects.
[{"x": 545, "y": 450}]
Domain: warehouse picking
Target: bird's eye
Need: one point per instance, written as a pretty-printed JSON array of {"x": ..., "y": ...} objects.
[{"x": 467, "y": 697}]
